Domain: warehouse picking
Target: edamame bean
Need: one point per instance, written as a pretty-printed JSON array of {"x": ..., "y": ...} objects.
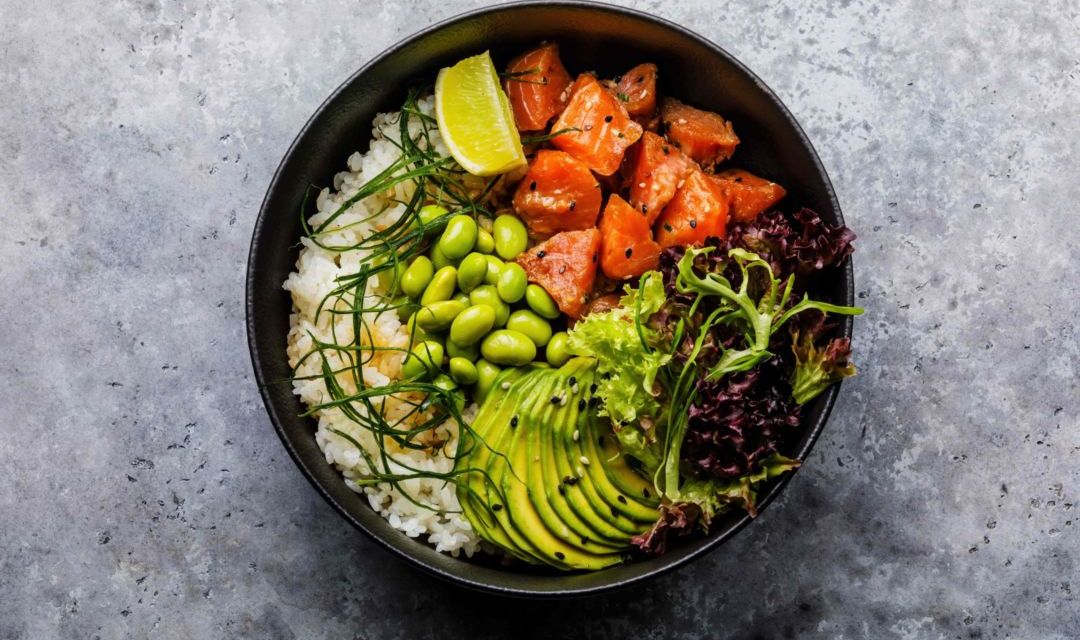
[
  {"x": 472, "y": 271},
  {"x": 417, "y": 276},
  {"x": 404, "y": 306},
  {"x": 541, "y": 302},
  {"x": 558, "y": 349},
  {"x": 484, "y": 242},
  {"x": 439, "y": 259},
  {"x": 430, "y": 213},
  {"x": 512, "y": 282},
  {"x": 418, "y": 334},
  {"x": 493, "y": 270},
  {"x": 485, "y": 378},
  {"x": 510, "y": 236},
  {"x": 438, "y": 316},
  {"x": 455, "y": 350},
  {"x": 425, "y": 359},
  {"x": 508, "y": 347},
  {"x": 390, "y": 278},
  {"x": 462, "y": 297},
  {"x": 441, "y": 286},
  {"x": 446, "y": 383},
  {"x": 462, "y": 370},
  {"x": 489, "y": 295},
  {"x": 472, "y": 324},
  {"x": 459, "y": 238},
  {"x": 536, "y": 328}
]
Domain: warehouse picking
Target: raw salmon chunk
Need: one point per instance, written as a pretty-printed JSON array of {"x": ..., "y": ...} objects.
[
  {"x": 748, "y": 195},
  {"x": 603, "y": 131},
  {"x": 637, "y": 89},
  {"x": 627, "y": 248},
  {"x": 558, "y": 193},
  {"x": 703, "y": 135},
  {"x": 536, "y": 86},
  {"x": 654, "y": 170},
  {"x": 565, "y": 266},
  {"x": 698, "y": 210}
]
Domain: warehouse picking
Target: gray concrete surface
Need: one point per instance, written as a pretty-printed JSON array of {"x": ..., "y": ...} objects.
[{"x": 144, "y": 494}]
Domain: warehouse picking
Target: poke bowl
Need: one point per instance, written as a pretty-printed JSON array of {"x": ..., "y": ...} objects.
[{"x": 550, "y": 298}]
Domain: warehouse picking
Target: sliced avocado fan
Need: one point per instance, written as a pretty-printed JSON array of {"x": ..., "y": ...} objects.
[{"x": 541, "y": 477}]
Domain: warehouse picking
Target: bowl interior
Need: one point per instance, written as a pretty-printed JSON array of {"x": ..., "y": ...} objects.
[{"x": 599, "y": 38}]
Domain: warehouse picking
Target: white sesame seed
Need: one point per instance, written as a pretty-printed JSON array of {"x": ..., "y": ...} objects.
[
  {"x": 682, "y": 120},
  {"x": 641, "y": 184},
  {"x": 577, "y": 435},
  {"x": 505, "y": 385},
  {"x": 574, "y": 389},
  {"x": 584, "y": 460}
]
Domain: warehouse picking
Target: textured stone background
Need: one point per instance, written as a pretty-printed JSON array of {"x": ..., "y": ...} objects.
[{"x": 144, "y": 493}]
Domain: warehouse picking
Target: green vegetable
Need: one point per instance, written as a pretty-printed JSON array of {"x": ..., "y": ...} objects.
[
  {"x": 816, "y": 369},
  {"x": 424, "y": 360},
  {"x": 558, "y": 350},
  {"x": 437, "y": 316},
  {"x": 433, "y": 216},
  {"x": 485, "y": 378},
  {"x": 459, "y": 238},
  {"x": 441, "y": 287},
  {"x": 438, "y": 258},
  {"x": 472, "y": 271},
  {"x": 448, "y": 386},
  {"x": 462, "y": 370},
  {"x": 512, "y": 282},
  {"x": 417, "y": 276},
  {"x": 494, "y": 269},
  {"x": 508, "y": 347},
  {"x": 469, "y": 352},
  {"x": 541, "y": 302},
  {"x": 536, "y": 328},
  {"x": 487, "y": 294},
  {"x": 484, "y": 242},
  {"x": 472, "y": 325},
  {"x": 511, "y": 236},
  {"x": 628, "y": 361},
  {"x": 716, "y": 496}
]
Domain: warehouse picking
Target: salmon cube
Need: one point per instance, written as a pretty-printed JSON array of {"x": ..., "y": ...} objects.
[
  {"x": 599, "y": 129},
  {"x": 536, "y": 86},
  {"x": 565, "y": 266},
  {"x": 704, "y": 136}
]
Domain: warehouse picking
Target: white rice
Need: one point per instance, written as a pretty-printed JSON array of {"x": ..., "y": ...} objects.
[{"x": 316, "y": 269}]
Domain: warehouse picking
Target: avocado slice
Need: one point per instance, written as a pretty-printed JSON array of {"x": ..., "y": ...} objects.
[
  {"x": 499, "y": 469},
  {"x": 557, "y": 552},
  {"x": 545, "y": 487},
  {"x": 472, "y": 493},
  {"x": 576, "y": 488},
  {"x": 624, "y": 476},
  {"x": 628, "y": 504}
]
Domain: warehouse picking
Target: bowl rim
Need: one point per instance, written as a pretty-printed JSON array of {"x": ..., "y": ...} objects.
[{"x": 714, "y": 539}]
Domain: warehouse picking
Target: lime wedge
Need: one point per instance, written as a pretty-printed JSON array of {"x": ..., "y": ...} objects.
[{"x": 475, "y": 119}]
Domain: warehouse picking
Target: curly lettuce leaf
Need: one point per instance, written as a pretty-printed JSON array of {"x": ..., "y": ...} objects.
[
  {"x": 817, "y": 368},
  {"x": 624, "y": 348}
]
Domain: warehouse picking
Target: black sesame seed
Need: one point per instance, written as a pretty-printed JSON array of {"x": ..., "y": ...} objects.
[
  {"x": 566, "y": 479},
  {"x": 571, "y": 481},
  {"x": 532, "y": 186},
  {"x": 629, "y": 252},
  {"x": 514, "y": 421},
  {"x": 592, "y": 388},
  {"x": 644, "y": 208},
  {"x": 555, "y": 400},
  {"x": 560, "y": 555},
  {"x": 541, "y": 253},
  {"x": 581, "y": 405},
  {"x": 573, "y": 204},
  {"x": 738, "y": 179},
  {"x": 607, "y": 118},
  {"x": 645, "y": 492},
  {"x": 668, "y": 227},
  {"x": 572, "y": 381},
  {"x": 614, "y": 512},
  {"x": 496, "y": 507},
  {"x": 666, "y": 149},
  {"x": 621, "y": 499},
  {"x": 562, "y": 492},
  {"x": 584, "y": 541},
  {"x": 693, "y": 223}
]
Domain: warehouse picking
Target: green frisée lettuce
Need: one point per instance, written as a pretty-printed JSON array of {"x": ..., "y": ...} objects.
[
  {"x": 715, "y": 496},
  {"x": 627, "y": 358}
]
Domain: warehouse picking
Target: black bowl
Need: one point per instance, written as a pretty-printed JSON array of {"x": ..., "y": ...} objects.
[{"x": 591, "y": 36}]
